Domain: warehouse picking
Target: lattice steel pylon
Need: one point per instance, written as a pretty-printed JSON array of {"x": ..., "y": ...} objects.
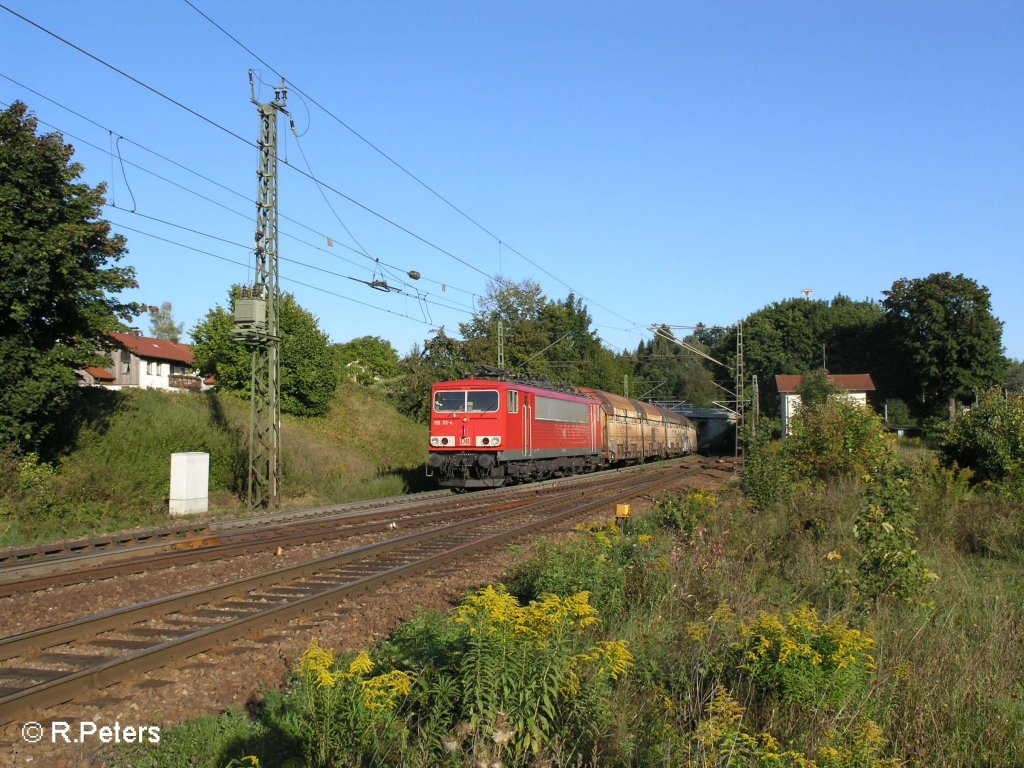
[
  {"x": 264, "y": 476},
  {"x": 741, "y": 399}
]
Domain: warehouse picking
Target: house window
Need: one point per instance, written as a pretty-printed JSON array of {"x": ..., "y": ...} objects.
[
  {"x": 151, "y": 368},
  {"x": 126, "y": 366}
]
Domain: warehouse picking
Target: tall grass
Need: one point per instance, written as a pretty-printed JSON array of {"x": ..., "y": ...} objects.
[{"x": 117, "y": 474}]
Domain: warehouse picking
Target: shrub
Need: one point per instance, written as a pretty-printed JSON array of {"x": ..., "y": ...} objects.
[
  {"x": 342, "y": 714},
  {"x": 526, "y": 676},
  {"x": 836, "y": 437},
  {"x": 801, "y": 658},
  {"x": 990, "y": 440},
  {"x": 767, "y": 475},
  {"x": 890, "y": 563},
  {"x": 684, "y": 513},
  {"x": 722, "y": 739},
  {"x": 619, "y": 571}
]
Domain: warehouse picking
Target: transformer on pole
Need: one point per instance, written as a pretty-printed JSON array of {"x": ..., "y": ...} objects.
[{"x": 257, "y": 317}]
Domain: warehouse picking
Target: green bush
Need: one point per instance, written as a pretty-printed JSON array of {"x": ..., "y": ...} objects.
[
  {"x": 342, "y": 713},
  {"x": 620, "y": 572},
  {"x": 684, "y": 513},
  {"x": 890, "y": 563},
  {"x": 767, "y": 473},
  {"x": 801, "y": 658},
  {"x": 990, "y": 440},
  {"x": 836, "y": 437}
]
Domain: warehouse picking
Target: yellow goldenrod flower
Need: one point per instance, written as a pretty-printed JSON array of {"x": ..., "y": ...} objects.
[{"x": 361, "y": 664}]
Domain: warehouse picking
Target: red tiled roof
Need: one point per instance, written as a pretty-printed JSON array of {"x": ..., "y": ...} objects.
[
  {"x": 100, "y": 374},
  {"x": 850, "y": 382},
  {"x": 155, "y": 349}
]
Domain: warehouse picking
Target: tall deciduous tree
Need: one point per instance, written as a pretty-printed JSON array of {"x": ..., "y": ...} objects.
[
  {"x": 308, "y": 373},
  {"x": 161, "y": 323},
  {"x": 668, "y": 371},
  {"x": 58, "y": 286},
  {"x": 441, "y": 358},
  {"x": 1015, "y": 376},
  {"x": 947, "y": 339},
  {"x": 798, "y": 335},
  {"x": 366, "y": 360}
]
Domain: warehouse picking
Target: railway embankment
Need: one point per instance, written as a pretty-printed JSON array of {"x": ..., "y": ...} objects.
[{"x": 114, "y": 475}]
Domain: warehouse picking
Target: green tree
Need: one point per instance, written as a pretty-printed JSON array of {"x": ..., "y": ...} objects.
[
  {"x": 550, "y": 339},
  {"x": 797, "y": 335},
  {"x": 815, "y": 388},
  {"x": 670, "y": 371},
  {"x": 519, "y": 307},
  {"x": 441, "y": 358},
  {"x": 990, "y": 439},
  {"x": 57, "y": 288},
  {"x": 161, "y": 323},
  {"x": 834, "y": 437},
  {"x": 308, "y": 374},
  {"x": 1015, "y": 376},
  {"x": 366, "y": 360},
  {"x": 946, "y": 338}
]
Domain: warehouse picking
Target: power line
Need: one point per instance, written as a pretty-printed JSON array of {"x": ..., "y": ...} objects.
[
  {"x": 214, "y": 123},
  {"x": 401, "y": 167},
  {"x": 321, "y": 289},
  {"x": 247, "y": 248},
  {"x": 211, "y": 200},
  {"x": 338, "y": 192}
]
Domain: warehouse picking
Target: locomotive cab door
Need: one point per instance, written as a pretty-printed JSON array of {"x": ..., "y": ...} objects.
[{"x": 527, "y": 425}]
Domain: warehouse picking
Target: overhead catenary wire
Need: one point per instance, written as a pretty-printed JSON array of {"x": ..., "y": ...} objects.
[
  {"x": 246, "y": 247},
  {"x": 501, "y": 242},
  {"x": 221, "y": 205},
  {"x": 321, "y": 289},
  {"x": 252, "y": 144},
  {"x": 228, "y": 131}
]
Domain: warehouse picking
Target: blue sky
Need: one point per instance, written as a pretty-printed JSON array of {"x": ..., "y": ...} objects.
[{"x": 671, "y": 162}]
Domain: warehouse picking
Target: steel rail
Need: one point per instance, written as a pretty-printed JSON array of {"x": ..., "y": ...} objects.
[
  {"x": 126, "y": 539},
  {"x": 26, "y": 642}
]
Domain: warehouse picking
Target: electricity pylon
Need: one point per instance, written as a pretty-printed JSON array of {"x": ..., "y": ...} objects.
[{"x": 257, "y": 317}]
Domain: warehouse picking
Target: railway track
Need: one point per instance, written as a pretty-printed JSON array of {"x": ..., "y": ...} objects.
[
  {"x": 46, "y": 566},
  {"x": 56, "y": 664},
  {"x": 38, "y": 567}
]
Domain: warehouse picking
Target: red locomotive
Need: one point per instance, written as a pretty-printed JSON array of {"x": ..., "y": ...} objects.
[{"x": 486, "y": 433}]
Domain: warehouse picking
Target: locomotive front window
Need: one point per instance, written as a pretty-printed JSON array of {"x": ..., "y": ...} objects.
[
  {"x": 482, "y": 402},
  {"x": 486, "y": 401}
]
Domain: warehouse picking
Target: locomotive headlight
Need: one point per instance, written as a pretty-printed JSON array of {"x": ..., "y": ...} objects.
[
  {"x": 435, "y": 441},
  {"x": 488, "y": 441},
  {"x": 440, "y": 441}
]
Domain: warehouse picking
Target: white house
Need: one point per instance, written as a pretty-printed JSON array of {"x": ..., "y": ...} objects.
[
  {"x": 852, "y": 385},
  {"x": 140, "y": 361}
]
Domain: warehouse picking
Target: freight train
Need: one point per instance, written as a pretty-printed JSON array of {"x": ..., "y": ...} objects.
[{"x": 486, "y": 433}]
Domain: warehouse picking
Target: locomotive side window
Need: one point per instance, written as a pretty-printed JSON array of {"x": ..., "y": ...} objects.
[
  {"x": 486, "y": 401},
  {"x": 551, "y": 409},
  {"x": 513, "y": 401}
]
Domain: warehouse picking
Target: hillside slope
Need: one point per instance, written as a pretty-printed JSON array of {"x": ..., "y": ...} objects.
[{"x": 117, "y": 473}]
